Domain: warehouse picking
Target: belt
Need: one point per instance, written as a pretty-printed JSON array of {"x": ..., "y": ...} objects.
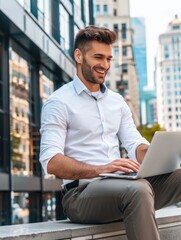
[{"x": 71, "y": 185}]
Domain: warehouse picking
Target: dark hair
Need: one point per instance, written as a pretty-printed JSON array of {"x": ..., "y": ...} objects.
[{"x": 91, "y": 33}]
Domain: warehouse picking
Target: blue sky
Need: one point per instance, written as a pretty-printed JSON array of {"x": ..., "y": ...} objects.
[{"x": 157, "y": 14}]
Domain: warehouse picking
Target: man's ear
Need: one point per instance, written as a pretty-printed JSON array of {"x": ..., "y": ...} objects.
[{"x": 78, "y": 55}]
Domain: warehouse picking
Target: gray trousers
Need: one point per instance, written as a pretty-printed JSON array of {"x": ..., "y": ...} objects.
[{"x": 133, "y": 201}]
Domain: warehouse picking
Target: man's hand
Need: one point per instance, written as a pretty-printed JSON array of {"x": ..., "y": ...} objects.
[{"x": 124, "y": 164}]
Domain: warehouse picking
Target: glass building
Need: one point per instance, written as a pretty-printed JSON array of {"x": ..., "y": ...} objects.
[
  {"x": 36, "y": 57},
  {"x": 147, "y": 97}
]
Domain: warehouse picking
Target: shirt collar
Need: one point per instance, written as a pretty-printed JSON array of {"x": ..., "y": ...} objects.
[{"x": 80, "y": 87}]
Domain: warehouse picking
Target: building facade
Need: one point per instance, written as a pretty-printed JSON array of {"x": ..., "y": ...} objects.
[
  {"x": 36, "y": 57},
  {"x": 122, "y": 76},
  {"x": 168, "y": 77}
]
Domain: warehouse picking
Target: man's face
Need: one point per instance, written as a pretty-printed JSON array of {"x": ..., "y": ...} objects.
[{"x": 95, "y": 63}]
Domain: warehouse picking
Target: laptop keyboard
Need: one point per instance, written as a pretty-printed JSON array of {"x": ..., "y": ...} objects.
[{"x": 129, "y": 174}]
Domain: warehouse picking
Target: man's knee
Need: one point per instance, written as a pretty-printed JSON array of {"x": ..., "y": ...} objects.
[{"x": 141, "y": 191}]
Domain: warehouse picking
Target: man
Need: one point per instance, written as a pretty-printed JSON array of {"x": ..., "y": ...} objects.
[{"x": 82, "y": 124}]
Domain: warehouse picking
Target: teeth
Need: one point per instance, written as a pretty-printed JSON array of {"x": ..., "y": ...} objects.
[{"x": 100, "y": 71}]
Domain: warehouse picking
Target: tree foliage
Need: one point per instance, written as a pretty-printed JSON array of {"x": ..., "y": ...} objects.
[{"x": 148, "y": 132}]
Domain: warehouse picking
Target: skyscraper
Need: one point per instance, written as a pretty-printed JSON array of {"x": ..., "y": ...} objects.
[
  {"x": 122, "y": 76},
  {"x": 139, "y": 47},
  {"x": 147, "y": 97},
  {"x": 168, "y": 77}
]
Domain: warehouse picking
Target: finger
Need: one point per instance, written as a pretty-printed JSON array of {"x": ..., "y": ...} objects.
[{"x": 127, "y": 164}]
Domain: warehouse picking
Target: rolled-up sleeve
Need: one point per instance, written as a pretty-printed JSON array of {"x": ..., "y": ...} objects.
[
  {"x": 128, "y": 134},
  {"x": 53, "y": 130}
]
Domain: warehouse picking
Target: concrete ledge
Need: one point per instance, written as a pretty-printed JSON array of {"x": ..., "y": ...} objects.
[{"x": 169, "y": 227}]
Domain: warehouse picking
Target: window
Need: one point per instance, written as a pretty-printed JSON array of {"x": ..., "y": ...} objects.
[
  {"x": 105, "y": 9},
  {"x": 168, "y": 85},
  {"x": 124, "y": 68},
  {"x": 44, "y": 14},
  {"x": 46, "y": 87},
  {"x": 4, "y": 208},
  {"x": 166, "y": 47},
  {"x": 115, "y": 28},
  {"x": 114, "y": 12},
  {"x": 168, "y": 70},
  {"x": 25, "y": 207},
  {"x": 105, "y": 25},
  {"x": 108, "y": 83},
  {"x": 77, "y": 8},
  {"x": 117, "y": 68},
  {"x": 97, "y": 10},
  {"x": 1, "y": 80},
  {"x": 125, "y": 84},
  {"x": 123, "y": 30},
  {"x": 64, "y": 29},
  {"x": 116, "y": 51},
  {"x": 175, "y": 27},
  {"x": 86, "y": 12},
  {"x": 20, "y": 123},
  {"x": 124, "y": 51}
]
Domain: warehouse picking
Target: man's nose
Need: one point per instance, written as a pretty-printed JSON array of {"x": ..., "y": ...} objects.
[{"x": 105, "y": 64}]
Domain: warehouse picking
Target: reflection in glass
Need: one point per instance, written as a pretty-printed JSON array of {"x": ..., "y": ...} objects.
[
  {"x": 19, "y": 114},
  {"x": 20, "y": 208},
  {"x": 46, "y": 89},
  {"x": 49, "y": 207}
]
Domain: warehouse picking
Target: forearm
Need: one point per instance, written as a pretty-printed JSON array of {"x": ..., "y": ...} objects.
[
  {"x": 141, "y": 151},
  {"x": 69, "y": 168}
]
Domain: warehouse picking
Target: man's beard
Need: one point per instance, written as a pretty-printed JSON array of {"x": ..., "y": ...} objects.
[{"x": 88, "y": 73}]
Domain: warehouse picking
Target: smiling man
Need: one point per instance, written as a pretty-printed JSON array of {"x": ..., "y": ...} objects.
[{"x": 82, "y": 124}]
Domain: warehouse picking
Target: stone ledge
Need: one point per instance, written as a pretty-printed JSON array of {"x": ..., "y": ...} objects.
[{"x": 169, "y": 227}]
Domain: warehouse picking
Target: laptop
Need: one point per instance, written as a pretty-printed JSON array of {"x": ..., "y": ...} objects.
[{"x": 163, "y": 156}]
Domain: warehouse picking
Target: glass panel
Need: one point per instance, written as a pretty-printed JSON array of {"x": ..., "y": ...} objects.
[
  {"x": 1, "y": 140},
  {"x": 77, "y": 8},
  {"x": 64, "y": 29},
  {"x": 1, "y": 95},
  {"x": 47, "y": 16},
  {"x": 20, "y": 208},
  {"x": 41, "y": 13},
  {"x": 49, "y": 207},
  {"x": 20, "y": 114},
  {"x": 46, "y": 89},
  {"x": 86, "y": 12},
  {"x": 5, "y": 218},
  {"x": 44, "y": 14}
]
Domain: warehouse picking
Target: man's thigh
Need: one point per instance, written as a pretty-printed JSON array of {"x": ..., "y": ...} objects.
[{"x": 103, "y": 200}]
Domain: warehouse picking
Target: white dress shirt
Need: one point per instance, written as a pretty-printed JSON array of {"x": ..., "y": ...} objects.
[{"x": 78, "y": 125}]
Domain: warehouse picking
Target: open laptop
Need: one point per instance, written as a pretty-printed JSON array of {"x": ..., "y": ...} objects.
[{"x": 163, "y": 156}]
